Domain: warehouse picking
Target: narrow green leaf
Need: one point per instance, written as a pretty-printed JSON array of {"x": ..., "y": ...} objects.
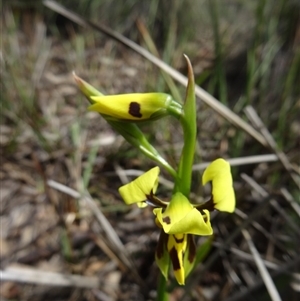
[{"x": 188, "y": 122}]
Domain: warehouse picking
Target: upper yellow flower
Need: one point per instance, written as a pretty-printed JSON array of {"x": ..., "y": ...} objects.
[{"x": 134, "y": 106}]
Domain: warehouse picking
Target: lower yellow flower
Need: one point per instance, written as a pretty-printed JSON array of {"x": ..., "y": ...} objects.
[
  {"x": 181, "y": 216},
  {"x": 179, "y": 219}
]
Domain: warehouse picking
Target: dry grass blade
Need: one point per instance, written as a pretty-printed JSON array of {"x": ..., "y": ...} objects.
[
  {"x": 262, "y": 268},
  {"x": 101, "y": 296},
  {"x": 239, "y": 213},
  {"x": 26, "y": 275},
  {"x": 252, "y": 115},
  {"x": 121, "y": 174},
  {"x": 254, "y": 185},
  {"x": 192, "y": 282},
  {"x": 205, "y": 97},
  {"x": 243, "y": 295},
  {"x": 273, "y": 202},
  {"x": 111, "y": 234},
  {"x": 43, "y": 56},
  {"x": 241, "y": 161},
  {"x": 94, "y": 208},
  {"x": 246, "y": 256},
  {"x": 290, "y": 200},
  {"x": 201, "y": 166},
  {"x": 295, "y": 284},
  {"x": 152, "y": 47}
]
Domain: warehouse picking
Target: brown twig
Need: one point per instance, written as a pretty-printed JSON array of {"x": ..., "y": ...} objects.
[{"x": 20, "y": 274}]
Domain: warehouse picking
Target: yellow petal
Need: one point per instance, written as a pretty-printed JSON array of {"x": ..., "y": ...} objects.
[
  {"x": 176, "y": 247},
  {"x": 137, "y": 190},
  {"x": 134, "y": 106},
  {"x": 222, "y": 191},
  {"x": 181, "y": 217}
]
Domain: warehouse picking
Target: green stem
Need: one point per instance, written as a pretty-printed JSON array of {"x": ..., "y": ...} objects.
[
  {"x": 154, "y": 155},
  {"x": 132, "y": 133},
  {"x": 162, "y": 294}
]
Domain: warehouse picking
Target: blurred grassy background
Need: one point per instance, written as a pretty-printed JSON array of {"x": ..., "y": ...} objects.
[{"x": 243, "y": 52}]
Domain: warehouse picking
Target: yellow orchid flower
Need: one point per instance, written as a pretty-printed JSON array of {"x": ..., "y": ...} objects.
[
  {"x": 136, "y": 106},
  {"x": 179, "y": 219}
]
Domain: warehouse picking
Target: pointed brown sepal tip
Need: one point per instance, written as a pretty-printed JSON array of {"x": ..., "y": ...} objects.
[
  {"x": 190, "y": 69},
  {"x": 77, "y": 79}
]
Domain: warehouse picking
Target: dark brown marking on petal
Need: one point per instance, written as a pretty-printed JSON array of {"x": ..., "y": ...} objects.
[
  {"x": 174, "y": 258},
  {"x": 161, "y": 244},
  {"x": 209, "y": 205},
  {"x": 155, "y": 201},
  {"x": 167, "y": 220},
  {"x": 205, "y": 219},
  {"x": 135, "y": 109},
  {"x": 179, "y": 240},
  {"x": 191, "y": 248},
  {"x": 204, "y": 216}
]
